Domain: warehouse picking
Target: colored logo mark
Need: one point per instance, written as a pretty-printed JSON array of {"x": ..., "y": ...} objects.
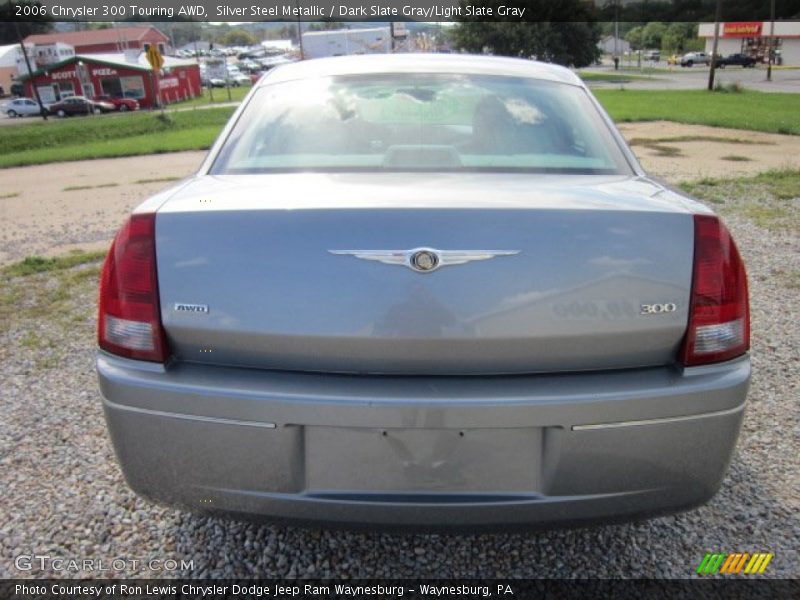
[{"x": 735, "y": 563}]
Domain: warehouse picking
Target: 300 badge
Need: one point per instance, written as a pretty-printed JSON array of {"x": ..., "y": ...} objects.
[{"x": 657, "y": 309}]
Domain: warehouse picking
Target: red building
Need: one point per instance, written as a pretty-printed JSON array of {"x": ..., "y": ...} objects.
[
  {"x": 127, "y": 75},
  {"x": 111, "y": 40}
]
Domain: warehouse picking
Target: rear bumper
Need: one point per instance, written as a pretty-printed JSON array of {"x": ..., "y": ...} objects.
[{"x": 427, "y": 451}]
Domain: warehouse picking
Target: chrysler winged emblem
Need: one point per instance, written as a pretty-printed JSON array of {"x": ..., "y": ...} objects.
[{"x": 424, "y": 260}]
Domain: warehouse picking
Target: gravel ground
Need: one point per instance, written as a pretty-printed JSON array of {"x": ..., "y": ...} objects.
[{"x": 64, "y": 496}]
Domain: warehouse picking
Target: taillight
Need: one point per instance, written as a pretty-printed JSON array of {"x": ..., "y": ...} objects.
[
  {"x": 129, "y": 318},
  {"x": 719, "y": 315}
]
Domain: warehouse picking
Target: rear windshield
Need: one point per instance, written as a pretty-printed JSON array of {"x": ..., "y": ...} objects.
[{"x": 412, "y": 122}]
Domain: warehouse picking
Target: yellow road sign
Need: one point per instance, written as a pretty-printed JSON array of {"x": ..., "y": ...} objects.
[{"x": 154, "y": 58}]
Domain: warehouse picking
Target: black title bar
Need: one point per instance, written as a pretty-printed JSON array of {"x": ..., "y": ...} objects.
[{"x": 390, "y": 10}]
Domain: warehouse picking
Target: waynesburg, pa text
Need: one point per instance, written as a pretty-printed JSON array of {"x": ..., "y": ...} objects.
[
  {"x": 276, "y": 11},
  {"x": 271, "y": 591}
]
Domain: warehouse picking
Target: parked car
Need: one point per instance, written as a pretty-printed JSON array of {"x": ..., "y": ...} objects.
[
  {"x": 120, "y": 103},
  {"x": 652, "y": 55},
  {"x": 238, "y": 79},
  {"x": 461, "y": 303},
  {"x": 23, "y": 107},
  {"x": 215, "y": 82},
  {"x": 741, "y": 60},
  {"x": 80, "y": 105},
  {"x": 695, "y": 58}
]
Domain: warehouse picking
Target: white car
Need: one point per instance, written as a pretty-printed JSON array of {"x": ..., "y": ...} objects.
[
  {"x": 695, "y": 58},
  {"x": 238, "y": 79},
  {"x": 22, "y": 107}
]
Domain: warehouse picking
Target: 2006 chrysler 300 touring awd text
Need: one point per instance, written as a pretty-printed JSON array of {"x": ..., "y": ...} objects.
[{"x": 424, "y": 290}]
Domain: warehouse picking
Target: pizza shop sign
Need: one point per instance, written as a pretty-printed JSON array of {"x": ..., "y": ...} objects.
[
  {"x": 747, "y": 29},
  {"x": 103, "y": 72},
  {"x": 63, "y": 75}
]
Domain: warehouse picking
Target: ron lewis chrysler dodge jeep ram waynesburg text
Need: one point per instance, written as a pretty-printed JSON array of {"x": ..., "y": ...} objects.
[{"x": 424, "y": 290}]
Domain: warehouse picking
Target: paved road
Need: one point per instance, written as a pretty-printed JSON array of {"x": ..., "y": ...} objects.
[{"x": 783, "y": 80}]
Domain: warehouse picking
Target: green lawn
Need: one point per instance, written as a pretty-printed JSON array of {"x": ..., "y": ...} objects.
[
  {"x": 108, "y": 136},
  {"x": 758, "y": 111},
  {"x": 148, "y": 133},
  {"x": 216, "y": 96}
]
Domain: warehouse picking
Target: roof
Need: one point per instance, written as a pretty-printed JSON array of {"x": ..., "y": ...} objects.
[
  {"x": 93, "y": 37},
  {"x": 279, "y": 44},
  {"x": 421, "y": 63},
  {"x": 117, "y": 61}
]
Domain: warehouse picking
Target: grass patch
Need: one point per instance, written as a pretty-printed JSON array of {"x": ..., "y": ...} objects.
[
  {"x": 33, "y": 341},
  {"x": 39, "y": 264},
  {"x": 762, "y": 198},
  {"x": 73, "y": 188},
  {"x": 110, "y": 136},
  {"x": 610, "y": 77},
  {"x": 698, "y": 138},
  {"x": 782, "y": 183},
  {"x": 662, "y": 150},
  {"x": 9, "y": 195},
  {"x": 729, "y": 88},
  {"x": 757, "y": 111},
  {"x": 51, "y": 292},
  {"x": 156, "y": 180},
  {"x": 766, "y": 217},
  {"x": 736, "y": 158},
  {"x": 220, "y": 95},
  {"x": 792, "y": 279}
]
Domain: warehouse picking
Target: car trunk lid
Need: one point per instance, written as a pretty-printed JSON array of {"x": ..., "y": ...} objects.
[{"x": 251, "y": 274}]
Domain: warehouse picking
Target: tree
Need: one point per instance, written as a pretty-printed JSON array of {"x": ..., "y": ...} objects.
[
  {"x": 288, "y": 32},
  {"x": 635, "y": 38},
  {"x": 564, "y": 32},
  {"x": 677, "y": 37},
  {"x": 326, "y": 26},
  {"x": 652, "y": 34},
  {"x": 238, "y": 37}
]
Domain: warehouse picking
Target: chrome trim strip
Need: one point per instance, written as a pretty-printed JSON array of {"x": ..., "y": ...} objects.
[
  {"x": 720, "y": 413},
  {"x": 215, "y": 420}
]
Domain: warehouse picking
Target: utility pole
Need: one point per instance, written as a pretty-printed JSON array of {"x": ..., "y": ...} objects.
[
  {"x": 771, "y": 39},
  {"x": 717, "y": 17},
  {"x": 300, "y": 32},
  {"x": 616, "y": 35},
  {"x": 42, "y": 111}
]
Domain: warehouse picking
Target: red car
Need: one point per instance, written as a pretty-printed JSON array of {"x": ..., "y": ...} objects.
[
  {"x": 78, "y": 105},
  {"x": 121, "y": 104}
]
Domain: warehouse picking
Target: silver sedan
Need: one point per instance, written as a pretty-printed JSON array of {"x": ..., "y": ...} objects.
[{"x": 424, "y": 290}]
